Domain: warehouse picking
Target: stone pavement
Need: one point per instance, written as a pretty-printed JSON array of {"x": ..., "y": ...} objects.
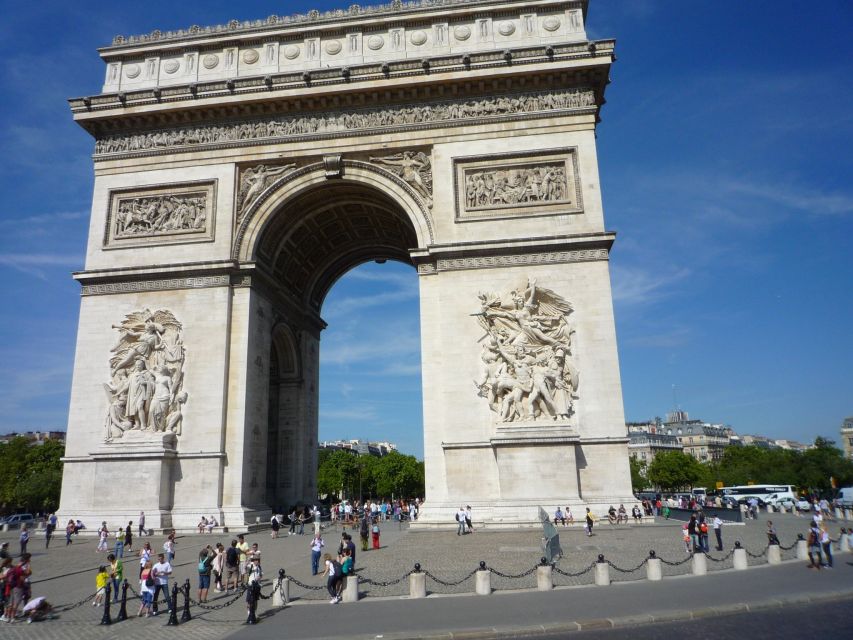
[{"x": 66, "y": 574}]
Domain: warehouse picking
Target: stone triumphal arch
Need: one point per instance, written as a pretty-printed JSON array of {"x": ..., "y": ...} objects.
[{"x": 241, "y": 169}]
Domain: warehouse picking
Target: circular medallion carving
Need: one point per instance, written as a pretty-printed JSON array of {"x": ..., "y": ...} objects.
[
  {"x": 462, "y": 33},
  {"x": 132, "y": 70},
  {"x": 210, "y": 61},
  {"x": 333, "y": 48},
  {"x": 375, "y": 43},
  {"x": 418, "y": 38},
  {"x": 291, "y": 52},
  {"x": 251, "y": 56},
  {"x": 506, "y": 28},
  {"x": 551, "y": 24},
  {"x": 171, "y": 66}
]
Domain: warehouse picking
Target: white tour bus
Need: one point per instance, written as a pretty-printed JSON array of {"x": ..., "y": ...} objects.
[{"x": 772, "y": 494}]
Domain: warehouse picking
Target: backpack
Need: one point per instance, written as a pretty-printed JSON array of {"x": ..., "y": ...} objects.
[
  {"x": 337, "y": 568},
  {"x": 346, "y": 567},
  {"x": 14, "y": 577},
  {"x": 202, "y": 565},
  {"x": 231, "y": 556}
]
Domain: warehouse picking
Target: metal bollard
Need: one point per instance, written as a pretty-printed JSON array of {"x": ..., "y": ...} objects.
[
  {"x": 544, "y": 576},
  {"x": 774, "y": 554},
  {"x": 173, "y": 609},
  {"x": 351, "y": 593},
  {"x": 417, "y": 582},
  {"x": 700, "y": 564},
  {"x": 654, "y": 568},
  {"x": 185, "y": 616},
  {"x": 802, "y": 548},
  {"x": 281, "y": 596},
  {"x": 122, "y": 612},
  {"x": 602, "y": 571},
  {"x": 105, "y": 619},
  {"x": 254, "y": 595},
  {"x": 483, "y": 585},
  {"x": 740, "y": 561}
]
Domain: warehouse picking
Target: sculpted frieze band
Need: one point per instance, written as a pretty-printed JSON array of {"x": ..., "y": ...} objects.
[
  {"x": 414, "y": 168},
  {"x": 528, "y": 375},
  {"x": 336, "y": 123},
  {"x": 145, "y": 391},
  {"x": 514, "y": 185}
]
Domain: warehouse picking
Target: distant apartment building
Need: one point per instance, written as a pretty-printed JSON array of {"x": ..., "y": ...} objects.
[
  {"x": 644, "y": 446},
  {"x": 361, "y": 447},
  {"x": 703, "y": 441},
  {"x": 847, "y": 437},
  {"x": 35, "y": 438}
]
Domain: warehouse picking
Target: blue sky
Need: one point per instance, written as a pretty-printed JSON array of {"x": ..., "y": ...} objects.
[{"x": 726, "y": 171}]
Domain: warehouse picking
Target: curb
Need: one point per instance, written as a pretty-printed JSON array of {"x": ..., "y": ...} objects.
[{"x": 596, "y": 624}]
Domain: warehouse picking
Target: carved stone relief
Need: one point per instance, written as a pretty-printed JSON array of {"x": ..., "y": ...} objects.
[
  {"x": 510, "y": 185},
  {"x": 158, "y": 215},
  {"x": 336, "y": 122},
  {"x": 254, "y": 181},
  {"x": 528, "y": 375},
  {"x": 415, "y": 168},
  {"x": 145, "y": 392}
]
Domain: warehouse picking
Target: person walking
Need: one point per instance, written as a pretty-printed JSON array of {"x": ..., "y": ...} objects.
[
  {"x": 460, "y": 519},
  {"x": 69, "y": 531},
  {"x": 24, "y": 538},
  {"x": 317, "y": 544},
  {"x": 169, "y": 548},
  {"x": 275, "y": 525},
  {"x": 49, "y": 529},
  {"x": 146, "y": 590},
  {"x": 814, "y": 547},
  {"x": 826, "y": 544},
  {"x": 375, "y": 534},
  {"x": 103, "y": 536},
  {"x": 128, "y": 536},
  {"x": 333, "y": 571},
  {"x": 141, "y": 523},
  {"x": 590, "y": 521},
  {"x": 718, "y": 532},
  {"x": 468, "y": 524}
]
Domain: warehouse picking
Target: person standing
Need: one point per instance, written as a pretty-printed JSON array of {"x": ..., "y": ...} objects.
[
  {"x": 316, "y": 515},
  {"x": 232, "y": 566},
  {"x": 116, "y": 571},
  {"x": 826, "y": 544},
  {"x": 169, "y": 548},
  {"x": 718, "y": 532},
  {"x": 24, "y": 538},
  {"x": 69, "y": 531},
  {"x": 205, "y": 566},
  {"x": 333, "y": 571},
  {"x": 590, "y": 521},
  {"x": 119, "y": 549},
  {"x": 468, "y": 519},
  {"x": 103, "y": 536},
  {"x": 317, "y": 545},
  {"x": 128, "y": 536},
  {"x": 243, "y": 548},
  {"x": 814, "y": 547},
  {"x": 146, "y": 589},
  {"x": 364, "y": 532},
  {"x": 375, "y": 533},
  {"x": 460, "y": 519},
  {"x": 275, "y": 525},
  {"x": 218, "y": 566},
  {"x": 161, "y": 572},
  {"x": 49, "y": 529}
]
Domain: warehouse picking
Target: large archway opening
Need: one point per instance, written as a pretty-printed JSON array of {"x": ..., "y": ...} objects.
[{"x": 307, "y": 245}]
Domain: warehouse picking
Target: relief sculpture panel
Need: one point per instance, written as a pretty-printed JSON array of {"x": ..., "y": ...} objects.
[
  {"x": 499, "y": 186},
  {"x": 528, "y": 374},
  {"x": 160, "y": 215}
]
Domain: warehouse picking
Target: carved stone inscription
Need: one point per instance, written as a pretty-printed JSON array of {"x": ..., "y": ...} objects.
[
  {"x": 145, "y": 391},
  {"x": 333, "y": 124},
  {"x": 527, "y": 375},
  {"x": 501, "y": 186},
  {"x": 171, "y": 213}
]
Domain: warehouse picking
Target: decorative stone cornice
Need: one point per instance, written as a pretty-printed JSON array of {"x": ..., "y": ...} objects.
[{"x": 312, "y": 17}]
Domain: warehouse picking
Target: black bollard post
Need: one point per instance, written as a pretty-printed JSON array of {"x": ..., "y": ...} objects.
[
  {"x": 186, "y": 616},
  {"x": 106, "y": 617},
  {"x": 254, "y": 590},
  {"x": 173, "y": 609},
  {"x": 122, "y": 612}
]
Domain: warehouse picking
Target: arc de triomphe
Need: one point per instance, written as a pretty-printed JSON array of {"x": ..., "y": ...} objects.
[{"x": 240, "y": 170}]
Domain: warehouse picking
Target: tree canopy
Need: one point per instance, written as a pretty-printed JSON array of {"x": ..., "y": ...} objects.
[
  {"x": 30, "y": 476},
  {"x": 345, "y": 474}
]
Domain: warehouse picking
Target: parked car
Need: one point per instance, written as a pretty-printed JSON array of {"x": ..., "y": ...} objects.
[
  {"x": 804, "y": 505},
  {"x": 18, "y": 519},
  {"x": 845, "y": 496}
]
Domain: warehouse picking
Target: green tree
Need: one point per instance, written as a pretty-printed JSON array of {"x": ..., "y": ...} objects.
[
  {"x": 674, "y": 470},
  {"x": 639, "y": 471},
  {"x": 30, "y": 475}
]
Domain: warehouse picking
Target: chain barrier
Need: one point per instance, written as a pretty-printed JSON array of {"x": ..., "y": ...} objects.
[
  {"x": 68, "y": 607},
  {"x": 310, "y": 587},
  {"x": 569, "y": 574},
  {"x": 679, "y": 562},
  {"x": 514, "y": 576},
  {"x": 723, "y": 559},
  {"x": 274, "y": 589},
  {"x": 217, "y": 607},
  {"x": 390, "y": 583},
  {"x": 449, "y": 584},
  {"x": 756, "y": 555},
  {"x": 620, "y": 570},
  {"x": 784, "y": 548}
]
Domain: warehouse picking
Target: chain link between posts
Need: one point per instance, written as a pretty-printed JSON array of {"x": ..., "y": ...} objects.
[
  {"x": 569, "y": 574},
  {"x": 637, "y": 568},
  {"x": 447, "y": 583}
]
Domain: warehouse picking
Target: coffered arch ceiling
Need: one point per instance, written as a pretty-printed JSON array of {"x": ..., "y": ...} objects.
[{"x": 324, "y": 232}]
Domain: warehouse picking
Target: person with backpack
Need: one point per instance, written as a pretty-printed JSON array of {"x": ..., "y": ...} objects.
[
  {"x": 17, "y": 583},
  {"x": 146, "y": 590},
  {"x": 205, "y": 566},
  {"x": 232, "y": 566},
  {"x": 334, "y": 575},
  {"x": 590, "y": 521}
]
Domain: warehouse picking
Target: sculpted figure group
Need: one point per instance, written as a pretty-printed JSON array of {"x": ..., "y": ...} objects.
[
  {"x": 145, "y": 392},
  {"x": 160, "y": 215},
  {"x": 341, "y": 121},
  {"x": 508, "y": 186},
  {"x": 528, "y": 374}
]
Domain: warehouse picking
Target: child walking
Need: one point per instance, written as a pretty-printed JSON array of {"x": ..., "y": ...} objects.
[{"x": 101, "y": 582}]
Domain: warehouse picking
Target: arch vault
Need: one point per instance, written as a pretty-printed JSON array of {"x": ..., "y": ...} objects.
[{"x": 241, "y": 170}]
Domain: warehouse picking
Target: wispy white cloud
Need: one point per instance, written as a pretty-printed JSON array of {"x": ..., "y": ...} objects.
[
  {"x": 642, "y": 285},
  {"x": 345, "y": 306},
  {"x": 361, "y": 413},
  {"x": 34, "y": 264},
  {"x": 799, "y": 198},
  {"x": 43, "y": 218},
  {"x": 368, "y": 348}
]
